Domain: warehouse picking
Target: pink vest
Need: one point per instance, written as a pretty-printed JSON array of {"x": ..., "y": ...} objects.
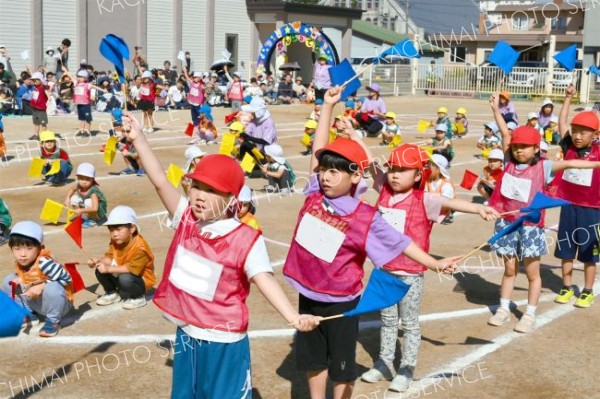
[
  {"x": 416, "y": 225},
  {"x": 343, "y": 275},
  {"x": 512, "y": 184},
  {"x": 82, "y": 93},
  {"x": 204, "y": 283},
  {"x": 148, "y": 92},
  {"x": 236, "y": 92},
  {"x": 196, "y": 94},
  {"x": 580, "y": 186},
  {"x": 39, "y": 98}
]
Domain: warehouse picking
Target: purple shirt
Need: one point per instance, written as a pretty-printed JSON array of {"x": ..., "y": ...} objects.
[
  {"x": 321, "y": 76},
  {"x": 509, "y": 112},
  {"x": 544, "y": 120},
  {"x": 371, "y": 105},
  {"x": 383, "y": 245},
  {"x": 265, "y": 130}
]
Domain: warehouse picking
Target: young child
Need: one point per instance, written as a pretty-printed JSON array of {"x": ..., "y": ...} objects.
[
  {"x": 39, "y": 99},
  {"x": 439, "y": 183},
  {"x": 460, "y": 127},
  {"x": 551, "y": 134},
  {"x": 235, "y": 90},
  {"x": 329, "y": 277},
  {"x": 489, "y": 140},
  {"x": 412, "y": 212},
  {"x": 316, "y": 112},
  {"x": 86, "y": 198},
  {"x": 507, "y": 108},
  {"x": 5, "y": 222},
  {"x": 492, "y": 173},
  {"x": 532, "y": 120},
  {"x": 44, "y": 287},
  {"x": 126, "y": 271},
  {"x": 83, "y": 98},
  {"x": 210, "y": 309},
  {"x": 442, "y": 145},
  {"x": 131, "y": 158},
  {"x": 193, "y": 155},
  {"x": 524, "y": 175},
  {"x": 390, "y": 129},
  {"x": 578, "y": 225},
  {"x": 50, "y": 152},
  {"x": 147, "y": 99},
  {"x": 247, "y": 208},
  {"x": 309, "y": 135},
  {"x": 443, "y": 119},
  {"x": 277, "y": 171},
  {"x": 196, "y": 95},
  {"x": 207, "y": 131}
]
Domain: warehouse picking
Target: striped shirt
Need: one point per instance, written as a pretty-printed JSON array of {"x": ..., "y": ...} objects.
[{"x": 54, "y": 271}]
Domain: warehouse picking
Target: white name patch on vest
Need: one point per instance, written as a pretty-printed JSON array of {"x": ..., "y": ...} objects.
[
  {"x": 515, "y": 188},
  {"x": 195, "y": 274},
  {"x": 319, "y": 238},
  {"x": 581, "y": 177},
  {"x": 194, "y": 92},
  {"x": 79, "y": 90},
  {"x": 394, "y": 217},
  {"x": 144, "y": 91}
]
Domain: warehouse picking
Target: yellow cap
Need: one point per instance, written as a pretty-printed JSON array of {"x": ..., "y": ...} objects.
[
  {"x": 462, "y": 110},
  {"x": 236, "y": 126},
  {"x": 442, "y": 110},
  {"x": 47, "y": 135},
  {"x": 390, "y": 114},
  {"x": 310, "y": 124}
]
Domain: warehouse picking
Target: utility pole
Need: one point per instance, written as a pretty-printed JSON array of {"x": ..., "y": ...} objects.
[{"x": 407, "y": 16}]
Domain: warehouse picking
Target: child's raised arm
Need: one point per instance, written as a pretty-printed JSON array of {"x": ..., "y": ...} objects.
[
  {"x": 563, "y": 123},
  {"x": 167, "y": 193},
  {"x": 574, "y": 164},
  {"x": 460, "y": 205},
  {"x": 495, "y": 104},
  {"x": 332, "y": 97}
]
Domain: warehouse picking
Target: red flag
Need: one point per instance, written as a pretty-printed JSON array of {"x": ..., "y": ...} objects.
[
  {"x": 231, "y": 117},
  {"x": 189, "y": 130},
  {"x": 78, "y": 283},
  {"x": 74, "y": 230},
  {"x": 469, "y": 180}
]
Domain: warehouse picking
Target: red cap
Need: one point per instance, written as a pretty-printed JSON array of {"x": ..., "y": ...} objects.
[
  {"x": 221, "y": 172},
  {"x": 406, "y": 156},
  {"x": 527, "y": 135},
  {"x": 349, "y": 149},
  {"x": 587, "y": 119}
]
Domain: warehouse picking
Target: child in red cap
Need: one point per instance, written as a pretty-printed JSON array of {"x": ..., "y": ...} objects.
[
  {"x": 525, "y": 174},
  {"x": 208, "y": 269},
  {"x": 578, "y": 226},
  {"x": 334, "y": 234},
  {"x": 412, "y": 212}
]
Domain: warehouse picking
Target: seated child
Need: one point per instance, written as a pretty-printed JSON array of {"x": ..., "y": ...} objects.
[
  {"x": 193, "y": 155},
  {"x": 390, "y": 129},
  {"x": 489, "y": 140},
  {"x": 43, "y": 286},
  {"x": 439, "y": 182},
  {"x": 5, "y": 222},
  {"x": 492, "y": 173},
  {"x": 50, "y": 152},
  {"x": 207, "y": 132},
  {"x": 532, "y": 120},
  {"x": 131, "y": 158},
  {"x": 85, "y": 198},
  {"x": 441, "y": 144},
  {"x": 316, "y": 112},
  {"x": 278, "y": 171},
  {"x": 443, "y": 119},
  {"x": 460, "y": 127},
  {"x": 126, "y": 272},
  {"x": 309, "y": 134},
  {"x": 247, "y": 209},
  {"x": 551, "y": 134},
  {"x": 350, "y": 111}
]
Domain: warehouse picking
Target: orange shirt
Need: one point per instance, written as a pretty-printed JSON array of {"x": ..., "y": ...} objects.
[{"x": 137, "y": 257}]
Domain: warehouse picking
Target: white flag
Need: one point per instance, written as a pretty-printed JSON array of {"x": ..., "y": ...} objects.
[
  {"x": 25, "y": 54},
  {"x": 226, "y": 54},
  {"x": 181, "y": 56}
]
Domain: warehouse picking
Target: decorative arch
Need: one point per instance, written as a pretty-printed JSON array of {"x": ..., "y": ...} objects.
[{"x": 292, "y": 33}]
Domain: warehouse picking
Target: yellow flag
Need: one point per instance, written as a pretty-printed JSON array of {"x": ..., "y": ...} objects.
[
  {"x": 51, "y": 211},
  {"x": 422, "y": 126},
  {"x": 55, "y": 168},
  {"x": 332, "y": 135},
  {"x": 257, "y": 153},
  {"x": 305, "y": 141},
  {"x": 174, "y": 175},
  {"x": 247, "y": 163},
  {"x": 396, "y": 141},
  {"x": 548, "y": 135},
  {"x": 428, "y": 149},
  {"x": 110, "y": 150},
  {"x": 111, "y": 143},
  {"x": 227, "y": 144},
  {"x": 70, "y": 216},
  {"x": 459, "y": 128},
  {"x": 35, "y": 170}
]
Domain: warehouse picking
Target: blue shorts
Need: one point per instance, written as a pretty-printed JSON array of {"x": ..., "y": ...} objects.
[
  {"x": 208, "y": 370},
  {"x": 84, "y": 112},
  {"x": 526, "y": 242},
  {"x": 195, "y": 110},
  {"x": 578, "y": 231}
]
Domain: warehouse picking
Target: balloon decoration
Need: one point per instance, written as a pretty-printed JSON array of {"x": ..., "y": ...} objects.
[{"x": 295, "y": 32}]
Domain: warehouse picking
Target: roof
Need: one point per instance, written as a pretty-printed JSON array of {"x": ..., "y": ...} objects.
[
  {"x": 387, "y": 36},
  {"x": 443, "y": 16},
  {"x": 540, "y": 8}
]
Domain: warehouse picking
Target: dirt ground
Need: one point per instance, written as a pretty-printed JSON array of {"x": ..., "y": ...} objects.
[{"x": 109, "y": 352}]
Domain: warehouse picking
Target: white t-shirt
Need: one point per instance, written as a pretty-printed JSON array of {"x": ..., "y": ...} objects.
[
  {"x": 447, "y": 190},
  {"x": 175, "y": 94},
  {"x": 257, "y": 262}
]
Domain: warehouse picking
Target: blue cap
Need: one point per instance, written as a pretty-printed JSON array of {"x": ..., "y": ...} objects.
[
  {"x": 247, "y": 99},
  {"x": 117, "y": 115},
  {"x": 319, "y": 101},
  {"x": 207, "y": 111},
  {"x": 350, "y": 103}
]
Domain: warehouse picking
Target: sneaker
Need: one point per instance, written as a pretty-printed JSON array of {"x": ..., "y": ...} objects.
[
  {"x": 448, "y": 219},
  {"x": 402, "y": 380},
  {"x": 565, "y": 295},
  {"x": 307, "y": 152},
  {"x": 134, "y": 303},
  {"x": 526, "y": 324},
  {"x": 285, "y": 191},
  {"x": 502, "y": 316},
  {"x": 196, "y": 141},
  {"x": 211, "y": 142},
  {"x": 141, "y": 172},
  {"x": 34, "y": 137},
  {"x": 89, "y": 223},
  {"x": 585, "y": 300},
  {"x": 128, "y": 171},
  {"x": 150, "y": 130},
  {"x": 269, "y": 189},
  {"x": 383, "y": 144},
  {"x": 30, "y": 321},
  {"x": 108, "y": 299},
  {"x": 82, "y": 133},
  {"x": 379, "y": 372},
  {"x": 49, "y": 329}
]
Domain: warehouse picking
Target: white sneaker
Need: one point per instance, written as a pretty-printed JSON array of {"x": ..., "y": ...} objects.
[
  {"x": 134, "y": 303},
  {"x": 108, "y": 299},
  {"x": 526, "y": 324},
  {"x": 401, "y": 381},
  {"x": 211, "y": 142},
  {"x": 502, "y": 316},
  {"x": 379, "y": 372}
]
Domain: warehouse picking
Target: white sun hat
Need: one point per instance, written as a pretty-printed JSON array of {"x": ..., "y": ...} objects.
[
  {"x": 29, "y": 229},
  {"x": 442, "y": 163},
  {"x": 121, "y": 215},
  {"x": 276, "y": 152}
]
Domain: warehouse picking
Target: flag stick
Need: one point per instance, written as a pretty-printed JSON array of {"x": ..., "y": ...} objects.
[
  {"x": 357, "y": 75},
  {"x": 337, "y": 316},
  {"x": 472, "y": 252},
  {"x": 510, "y": 212}
]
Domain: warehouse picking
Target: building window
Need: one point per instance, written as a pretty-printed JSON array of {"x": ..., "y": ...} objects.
[
  {"x": 559, "y": 23},
  {"x": 520, "y": 22},
  {"x": 231, "y": 44},
  {"x": 458, "y": 54}
]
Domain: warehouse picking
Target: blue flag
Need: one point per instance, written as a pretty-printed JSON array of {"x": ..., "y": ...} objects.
[
  {"x": 383, "y": 290},
  {"x": 542, "y": 201},
  {"x": 119, "y": 44},
  {"x": 404, "y": 48},
  {"x": 532, "y": 217},
  {"x": 340, "y": 74},
  {"x": 504, "y": 56},
  {"x": 567, "y": 58},
  {"x": 11, "y": 317},
  {"x": 114, "y": 49},
  {"x": 594, "y": 69}
]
